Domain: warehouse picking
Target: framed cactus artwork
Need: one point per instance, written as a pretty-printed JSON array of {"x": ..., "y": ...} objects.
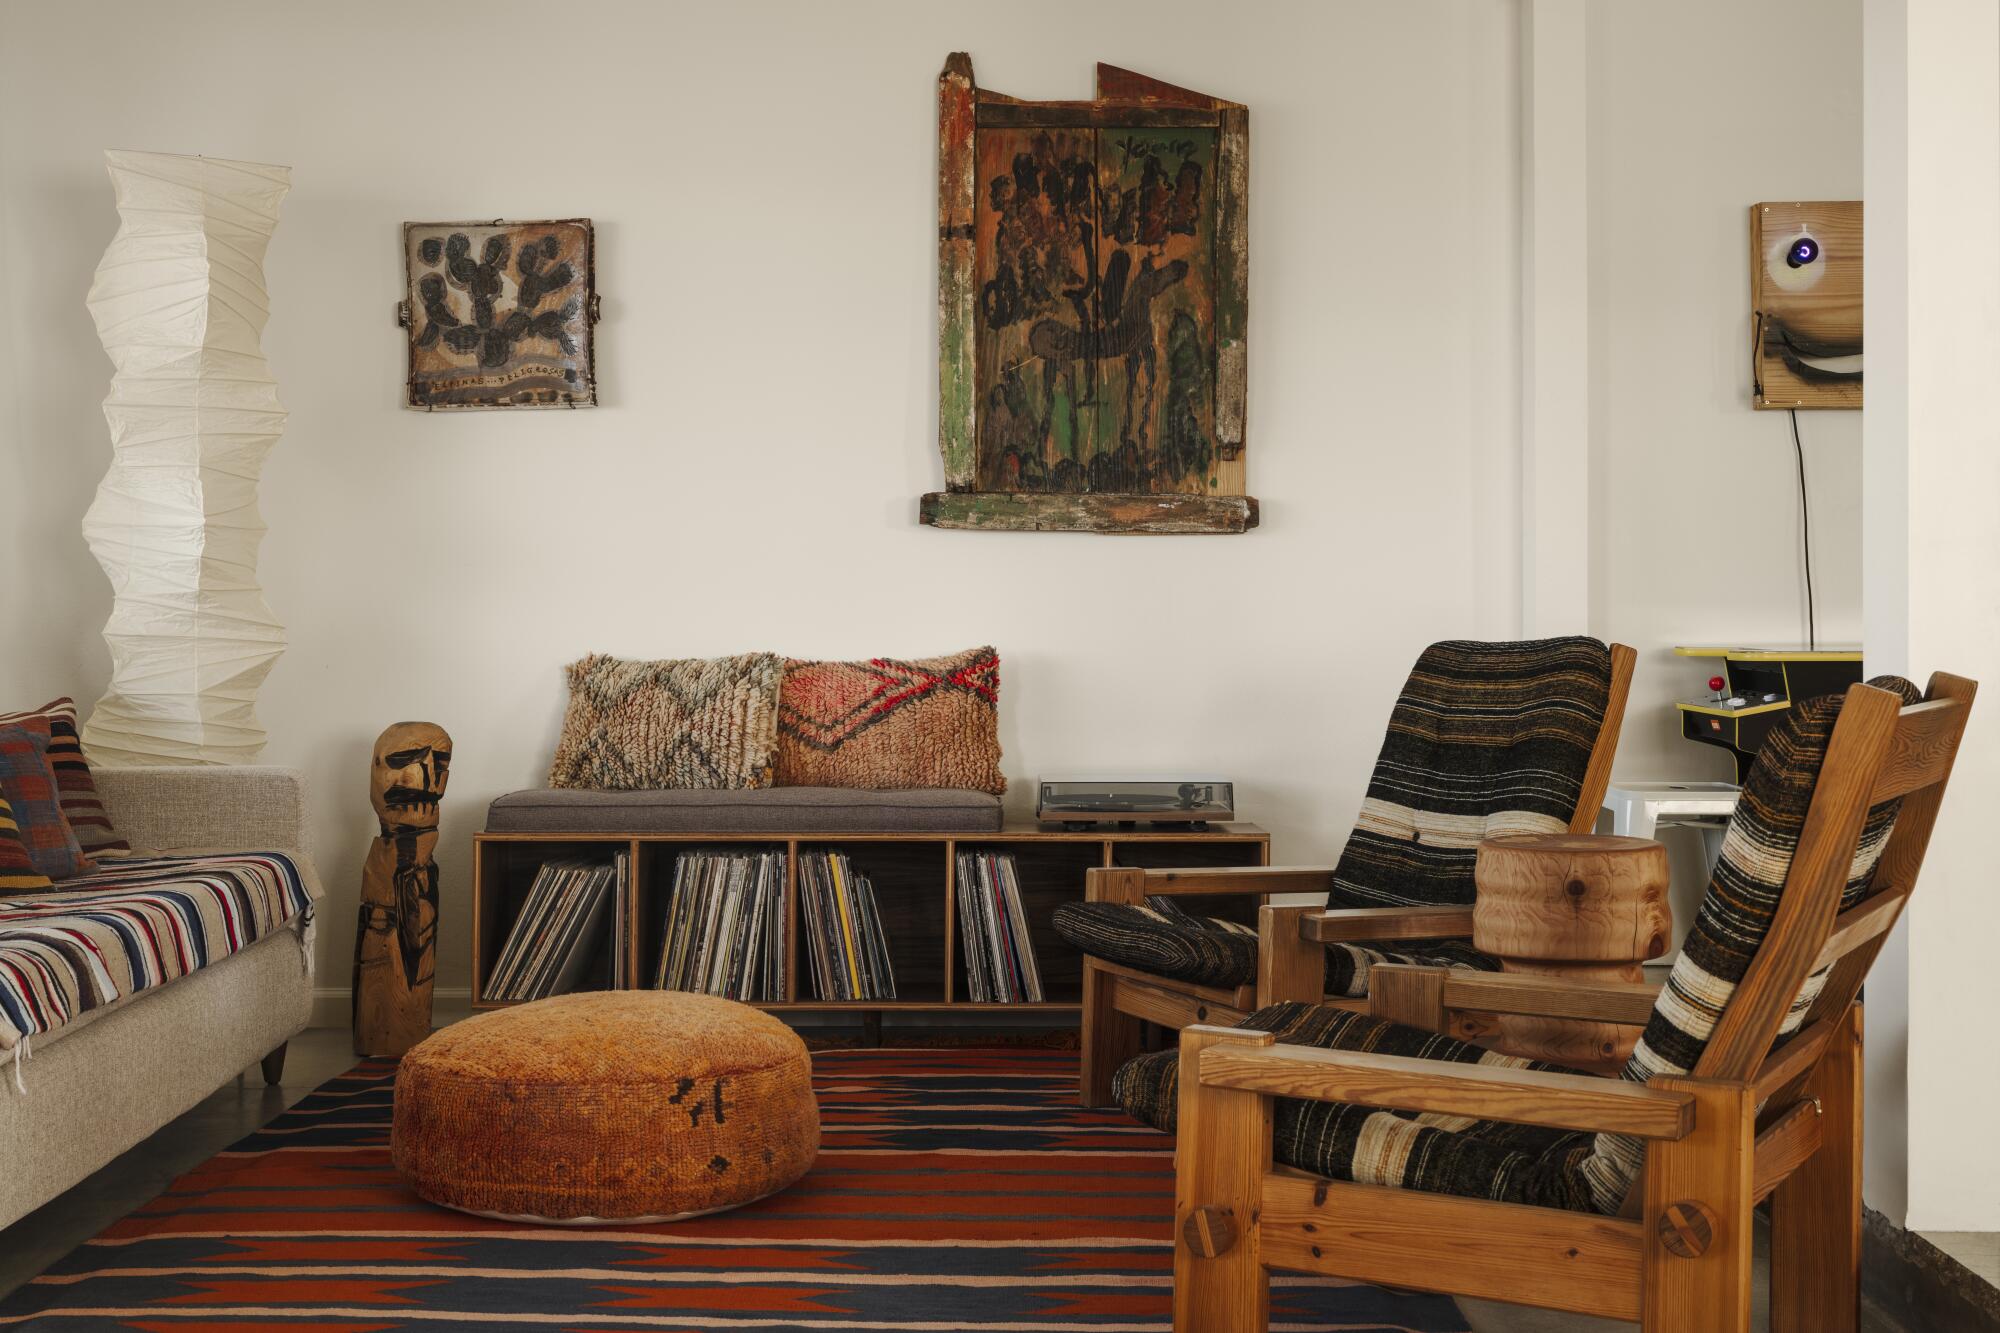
[
  {"x": 500, "y": 314},
  {"x": 1093, "y": 283}
]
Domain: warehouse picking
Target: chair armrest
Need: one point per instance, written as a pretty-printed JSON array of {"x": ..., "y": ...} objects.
[
  {"x": 1352, "y": 925},
  {"x": 1485, "y": 1092},
  {"x": 208, "y": 807},
  {"x": 1136, "y": 883},
  {"x": 1629, "y": 1003}
]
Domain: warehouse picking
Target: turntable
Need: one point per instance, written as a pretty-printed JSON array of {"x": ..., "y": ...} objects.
[{"x": 1078, "y": 803}]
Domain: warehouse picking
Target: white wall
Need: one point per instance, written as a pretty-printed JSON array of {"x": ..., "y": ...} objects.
[
  {"x": 1696, "y": 531},
  {"x": 1933, "y": 159},
  {"x": 1694, "y": 515},
  {"x": 762, "y": 178}
]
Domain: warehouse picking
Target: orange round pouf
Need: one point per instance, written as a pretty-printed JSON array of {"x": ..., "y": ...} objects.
[{"x": 606, "y": 1106}]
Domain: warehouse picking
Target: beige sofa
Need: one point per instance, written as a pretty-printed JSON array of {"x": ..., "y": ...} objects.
[{"x": 97, "y": 1086}]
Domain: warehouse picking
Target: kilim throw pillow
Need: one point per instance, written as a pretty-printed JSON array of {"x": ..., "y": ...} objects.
[
  {"x": 81, "y": 805},
  {"x": 17, "y": 868},
  {"x": 708, "y": 724},
  {"x": 892, "y": 723},
  {"x": 28, "y": 785}
]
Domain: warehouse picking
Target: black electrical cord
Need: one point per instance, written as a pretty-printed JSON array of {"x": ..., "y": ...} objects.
[{"x": 1805, "y": 533}]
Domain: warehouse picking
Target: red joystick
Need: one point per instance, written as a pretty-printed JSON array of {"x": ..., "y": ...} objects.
[{"x": 1716, "y": 683}]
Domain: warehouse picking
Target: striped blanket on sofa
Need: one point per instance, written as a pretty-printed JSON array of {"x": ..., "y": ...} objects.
[{"x": 136, "y": 924}]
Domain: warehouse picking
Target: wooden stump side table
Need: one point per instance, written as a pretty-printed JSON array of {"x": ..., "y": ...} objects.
[{"x": 1571, "y": 905}]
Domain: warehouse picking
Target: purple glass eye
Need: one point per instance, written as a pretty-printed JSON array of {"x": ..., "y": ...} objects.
[{"x": 1804, "y": 251}]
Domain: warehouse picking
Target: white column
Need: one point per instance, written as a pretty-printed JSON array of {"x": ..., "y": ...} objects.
[
  {"x": 1931, "y": 580},
  {"x": 1555, "y": 322}
]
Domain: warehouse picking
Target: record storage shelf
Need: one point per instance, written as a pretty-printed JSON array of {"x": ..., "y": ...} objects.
[{"x": 915, "y": 879}]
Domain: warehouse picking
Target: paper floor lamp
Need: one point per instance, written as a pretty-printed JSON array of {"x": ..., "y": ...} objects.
[{"x": 180, "y": 304}]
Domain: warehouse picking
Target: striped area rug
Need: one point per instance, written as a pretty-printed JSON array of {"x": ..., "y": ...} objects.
[{"x": 958, "y": 1191}]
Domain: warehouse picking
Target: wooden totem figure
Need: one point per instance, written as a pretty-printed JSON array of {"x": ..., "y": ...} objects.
[{"x": 395, "y": 944}]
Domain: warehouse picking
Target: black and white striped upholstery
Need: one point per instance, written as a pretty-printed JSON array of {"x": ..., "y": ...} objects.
[
  {"x": 1485, "y": 739},
  {"x": 1558, "y": 1168}
]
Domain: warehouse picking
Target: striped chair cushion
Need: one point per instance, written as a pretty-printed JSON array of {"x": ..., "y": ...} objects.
[
  {"x": 1486, "y": 738},
  {"x": 1348, "y": 965},
  {"x": 17, "y": 868},
  {"x": 1549, "y": 1168},
  {"x": 1480, "y": 1159},
  {"x": 1737, "y": 911},
  {"x": 77, "y": 789},
  {"x": 1164, "y": 939},
  {"x": 28, "y": 785},
  {"x": 138, "y": 923},
  {"x": 1167, "y": 940}
]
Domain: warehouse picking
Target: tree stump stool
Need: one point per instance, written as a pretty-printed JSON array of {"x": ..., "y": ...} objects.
[{"x": 1571, "y": 905}]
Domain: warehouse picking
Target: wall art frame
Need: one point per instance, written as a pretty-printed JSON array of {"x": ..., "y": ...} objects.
[
  {"x": 1805, "y": 303},
  {"x": 500, "y": 314},
  {"x": 1093, "y": 302}
]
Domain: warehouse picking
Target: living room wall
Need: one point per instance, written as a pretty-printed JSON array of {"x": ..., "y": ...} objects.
[
  {"x": 762, "y": 176},
  {"x": 1694, "y": 496}
]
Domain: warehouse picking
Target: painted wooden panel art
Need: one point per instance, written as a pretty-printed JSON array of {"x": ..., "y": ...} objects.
[
  {"x": 1093, "y": 271},
  {"x": 500, "y": 314},
  {"x": 1805, "y": 302}
]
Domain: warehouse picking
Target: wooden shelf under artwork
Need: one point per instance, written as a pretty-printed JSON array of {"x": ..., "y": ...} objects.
[
  {"x": 1004, "y": 511},
  {"x": 915, "y": 880}
]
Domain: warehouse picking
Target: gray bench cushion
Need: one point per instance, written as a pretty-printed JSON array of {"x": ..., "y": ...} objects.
[{"x": 768, "y": 810}]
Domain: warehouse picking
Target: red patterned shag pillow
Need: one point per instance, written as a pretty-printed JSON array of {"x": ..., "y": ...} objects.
[
  {"x": 77, "y": 789},
  {"x": 892, "y": 723}
]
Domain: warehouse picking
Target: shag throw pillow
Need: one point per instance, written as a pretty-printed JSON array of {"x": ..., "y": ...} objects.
[
  {"x": 77, "y": 789},
  {"x": 890, "y": 723},
  {"x": 17, "y": 868},
  {"x": 708, "y": 724},
  {"x": 28, "y": 785}
]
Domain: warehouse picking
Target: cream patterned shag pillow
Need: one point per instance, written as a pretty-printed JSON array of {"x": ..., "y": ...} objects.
[{"x": 709, "y": 724}]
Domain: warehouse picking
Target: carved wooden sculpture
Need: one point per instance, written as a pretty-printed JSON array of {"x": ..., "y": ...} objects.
[{"x": 395, "y": 943}]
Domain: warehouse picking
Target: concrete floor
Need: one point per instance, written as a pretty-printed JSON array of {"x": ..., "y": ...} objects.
[
  {"x": 57, "y": 1227},
  {"x": 44, "y": 1236},
  {"x": 1979, "y": 1251}
]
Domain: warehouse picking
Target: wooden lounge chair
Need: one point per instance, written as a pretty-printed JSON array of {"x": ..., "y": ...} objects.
[
  {"x": 1485, "y": 738},
  {"x": 1747, "y": 1084}
]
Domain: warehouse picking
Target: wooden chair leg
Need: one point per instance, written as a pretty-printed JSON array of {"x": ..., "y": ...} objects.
[
  {"x": 1221, "y": 1153},
  {"x": 1110, "y": 1037},
  {"x": 1816, "y": 1212},
  {"x": 1697, "y": 1212},
  {"x": 274, "y": 1066},
  {"x": 1288, "y": 967}
]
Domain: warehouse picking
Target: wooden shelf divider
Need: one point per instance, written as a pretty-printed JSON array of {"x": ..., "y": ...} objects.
[{"x": 1051, "y": 863}]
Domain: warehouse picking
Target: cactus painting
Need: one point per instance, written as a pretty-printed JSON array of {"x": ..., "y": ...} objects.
[{"x": 500, "y": 314}]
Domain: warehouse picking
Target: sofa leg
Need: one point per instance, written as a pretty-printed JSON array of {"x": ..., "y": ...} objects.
[
  {"x": 1110, "y": 1037},
  {"x": 274, "y": 1066}
]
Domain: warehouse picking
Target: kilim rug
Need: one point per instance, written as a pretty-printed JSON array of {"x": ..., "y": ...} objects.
[{"x": 957, "y": 1190}]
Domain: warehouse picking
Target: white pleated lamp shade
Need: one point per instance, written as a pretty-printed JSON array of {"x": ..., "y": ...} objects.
[{"x": 180, "y": 305}]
